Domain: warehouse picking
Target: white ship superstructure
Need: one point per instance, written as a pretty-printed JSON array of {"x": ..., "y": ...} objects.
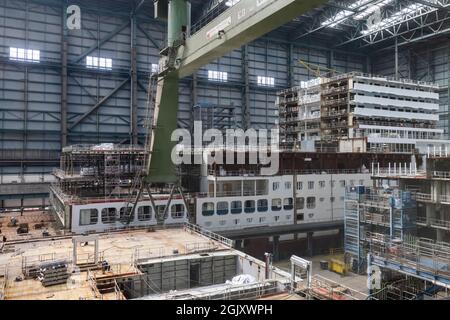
[
  {"x": 378, "y": 114},
  {"x": 236, "y": 202}
]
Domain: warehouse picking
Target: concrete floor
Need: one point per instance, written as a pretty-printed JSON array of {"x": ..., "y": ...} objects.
[
  {"x": 119, "y": 249},
  {"x": 351, "y": 280}
]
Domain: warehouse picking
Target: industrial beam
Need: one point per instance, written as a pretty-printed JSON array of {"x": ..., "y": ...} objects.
[
  {"x": 64, "y": 49},
  {"x": 246, "y": 119},
  {"x": 241, "y": 24},
  {"x": 101, "y": 102},
  {"x": 134, "y": 84},
  {"x": 149, "y": 37},
  {"x": 102, "y": 41}
]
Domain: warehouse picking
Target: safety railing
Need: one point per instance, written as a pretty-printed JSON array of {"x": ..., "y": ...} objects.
[
  {"x": 208, "y": 234},
  {"x": 421, "y": 254},
  {"x": 3, "y": 281},
  {"x": 440, "y": 224},
  {"x": 444, "y": 198},
  {"x": 326, "y": 289},
  {"x": 423, "y": 197},
  {"x": 441, "y": 174}
]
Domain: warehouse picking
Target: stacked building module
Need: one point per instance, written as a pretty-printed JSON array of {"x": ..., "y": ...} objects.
[
  {"x": 299, "y": 112},
  {"x": 402, "y": 225},
  {"x": 92, "y": 192},
  {"x": 360, "y": 113}
]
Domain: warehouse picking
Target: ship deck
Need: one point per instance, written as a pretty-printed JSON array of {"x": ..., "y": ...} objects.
[{"x": 119, "y": 249}]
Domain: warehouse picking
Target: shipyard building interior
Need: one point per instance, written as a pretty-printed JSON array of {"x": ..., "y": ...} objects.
[{"x": 334, "y": 185}]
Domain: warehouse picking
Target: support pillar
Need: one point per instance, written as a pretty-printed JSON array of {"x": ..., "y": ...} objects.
[
  {"x": 396, "y": 59},
  {"x": 275, "y": 248},
  {"x": 134, "y": 85},
  {"x": 63, "y": 109},
  {"x": 309, "y": 240},
  {"x": 246, "y": 122}
]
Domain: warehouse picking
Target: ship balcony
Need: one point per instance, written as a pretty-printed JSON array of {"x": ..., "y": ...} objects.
[
  {"x": 424, "y": 197},
  {"x": 376, "y": 219},
  {"x": 445, "y": 199},
  {"x": 444, "y": 175},
  {"x": 433, "y": 223}
]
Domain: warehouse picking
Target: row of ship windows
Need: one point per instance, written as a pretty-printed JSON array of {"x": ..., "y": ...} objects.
[
  {"x": 300, "y": 217},
  {"x": 395, "y": 98},
  {"x": 394, "y": 109},
  {"x": 390, "y": 86},
  {"x": 311, "y": 185},
  {"x": 144, "y": 213},
  {"x": 248, "y": 220},
  {"x": 262, "y": 205}
]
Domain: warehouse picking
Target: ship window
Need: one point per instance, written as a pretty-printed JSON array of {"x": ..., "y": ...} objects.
[
  {"x": 288, "y": 204},
  {"x": 322, "y": 199},
  {"x": 249, "y": 206},
  {"x": 276, "y": 186},
  {"x": 311, "y": 215},
  {"x": 249, "y": 220},
  {"x": 276, "y": 204},
  {"x": 262, "y": 219},
  {"x": 332, "y": 199},
  {"x": 144, "y": 213},
  {"x": 236, "y": 221},
  {"x": 287, "y": 185},
  {"x": 310, "y": 185},
  {"x": 322, "y": 184},
  {"x": 263, "y": 205},
  {"x": 300, "y": 203},
  {"x": 177, "y": 211},
  {"x": 311, "y": 202},
  {"x": 299, "y": 185},
  {"x": 222, "y": 222},
  {"x": 222, "y": 208},
  {"x": 124, "y": 213},
  {"x": 208, "y": 209},
  {"x": 352, "y": 183},
  {"x": 88, "y": 217},
  {"x": 236, "y": 207},
  {"x": 276, "y": 218},
  {"x": 109, "y": 215},
  {"x": 342, "y": 182},
  {"x": 300, "y": 217},
  {"x": 361, "y": 182}
]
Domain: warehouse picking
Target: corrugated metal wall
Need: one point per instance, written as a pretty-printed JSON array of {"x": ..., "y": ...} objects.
[
  {"x": 430, "y": 63},
  {"x": 30, "y": 93}
]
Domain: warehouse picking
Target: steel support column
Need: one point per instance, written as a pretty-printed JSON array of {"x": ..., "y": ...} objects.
[
  {"x": 194, "y": 101},
  {"x": 290, "y": 63},
  {"x": 246, "y": 122},
  {"x": 133, "y": 85},
  {"x": 64, "y": 47}
]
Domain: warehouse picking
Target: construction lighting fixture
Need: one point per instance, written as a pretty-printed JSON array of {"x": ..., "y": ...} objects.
[
  {"x": 231, "y": 3},
  {"x": 364, "y": 7},
  {"x": 404, "y": 14}
]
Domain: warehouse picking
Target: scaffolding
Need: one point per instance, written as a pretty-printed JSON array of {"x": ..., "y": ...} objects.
[
  {"x": 375, "y": 216},
  {"x": 105, "y": 170},
  {"x": 421, "y": 258},
  {"x": 299, "y": 113}
]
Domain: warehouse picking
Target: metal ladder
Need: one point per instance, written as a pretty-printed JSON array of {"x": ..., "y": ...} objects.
[{"x": 137, "y": 183}]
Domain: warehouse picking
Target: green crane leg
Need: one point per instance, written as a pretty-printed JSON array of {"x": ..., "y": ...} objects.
[{"x": 161, "y": 168}]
